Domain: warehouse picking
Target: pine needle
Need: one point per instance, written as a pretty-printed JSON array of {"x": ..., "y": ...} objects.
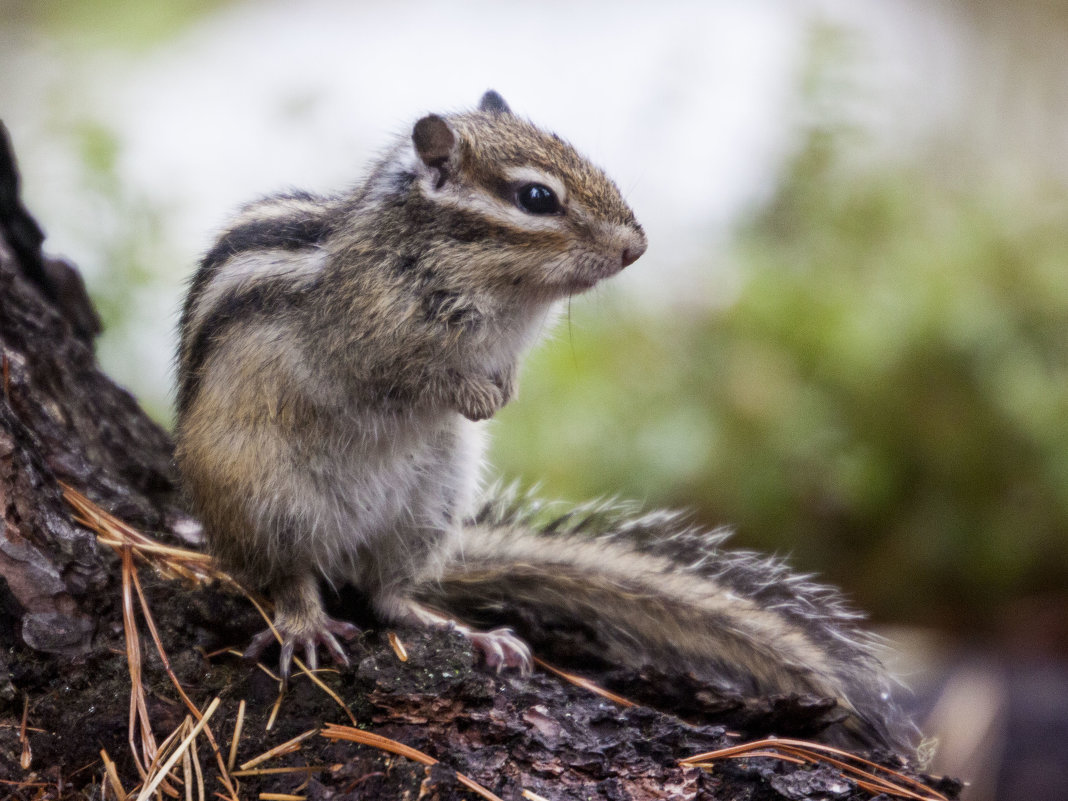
[
  {"x": 193, "y": 566},
  {"x": 166, "y": 748},
  {"x": 146, "y": 613},
  {"x": 397, "y": 645},
  {"x": 867, "y": 775},
  {"x": 27, "y": 755},
  {"x": 199, "y": 773},
  {"x": 333, "y": 731},
  {"x": 162, "y": 772},
  {"x": 272, "y": 771},
  {"x": 238, "y": 724},
  {"x": 113, "y": 776},
  {"x": 585, "y": 683},
  {"x": 275, "y": 709},
  {"x": 187, "y": 767},
  {"x": 288, "y": 747},
  {"x": 138, "y": 706}
]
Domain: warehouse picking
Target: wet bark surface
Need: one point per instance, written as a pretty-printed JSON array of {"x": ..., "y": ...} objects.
[{"x": 66, "y": 677}]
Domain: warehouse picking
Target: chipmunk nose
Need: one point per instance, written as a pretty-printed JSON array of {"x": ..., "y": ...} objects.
[{"x": 633, "y": 251}]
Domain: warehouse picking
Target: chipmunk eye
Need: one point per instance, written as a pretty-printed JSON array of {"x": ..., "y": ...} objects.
[{"x": 537, "y": 199}]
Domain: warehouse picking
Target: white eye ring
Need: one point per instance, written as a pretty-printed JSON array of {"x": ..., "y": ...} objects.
[{"x": 522, "y": 177}]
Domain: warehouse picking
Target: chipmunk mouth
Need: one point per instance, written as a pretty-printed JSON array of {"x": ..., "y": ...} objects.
[
  {"x": 585, "y": 274},
  {"x": 580, "y": 269},
  {"x": 584, "y": 279},
  {"x": 626, "y": 247}
]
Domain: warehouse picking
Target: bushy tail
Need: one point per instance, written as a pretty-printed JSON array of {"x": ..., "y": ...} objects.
[{"x": 636, "y": 589}]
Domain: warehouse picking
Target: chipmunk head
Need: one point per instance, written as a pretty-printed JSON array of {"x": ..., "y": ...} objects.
[{"x": 507, "y": 184}]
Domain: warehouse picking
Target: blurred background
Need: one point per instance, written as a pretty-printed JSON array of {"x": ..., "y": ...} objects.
[{"x": 848, "y": 338}]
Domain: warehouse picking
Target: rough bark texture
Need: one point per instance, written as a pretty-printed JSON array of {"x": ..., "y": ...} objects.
[
  {"x": 61, "y": 419},
  {"x": 63, "y": 650}
]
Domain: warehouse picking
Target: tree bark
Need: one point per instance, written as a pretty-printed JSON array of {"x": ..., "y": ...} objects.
[
  {"x": 66, "y": 642},
  {"x": 62, "y": 420}
]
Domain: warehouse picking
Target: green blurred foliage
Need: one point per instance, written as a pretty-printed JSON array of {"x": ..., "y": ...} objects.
[
  {"x": 886, "y": 399},
  {"x": 130, "y": 25},
  {"x": 126, "y": 229}
]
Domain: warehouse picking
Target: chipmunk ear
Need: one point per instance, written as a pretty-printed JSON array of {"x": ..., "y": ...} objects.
[
  {"x": 493, "y": 103},
  {"x": 434, "y": 141}
]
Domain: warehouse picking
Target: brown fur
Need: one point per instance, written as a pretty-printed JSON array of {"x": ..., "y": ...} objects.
[{"x": 336, "y": 353}]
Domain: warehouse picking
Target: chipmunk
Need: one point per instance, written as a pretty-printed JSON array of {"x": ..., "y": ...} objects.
[{"x": 337, "y": 356}]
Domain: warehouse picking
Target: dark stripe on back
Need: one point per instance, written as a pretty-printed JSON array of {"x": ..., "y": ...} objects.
[
  {"x": 282, "y": 233},
  {"x": 265, "y": 299},
  {"x": 304, "y": 229}
]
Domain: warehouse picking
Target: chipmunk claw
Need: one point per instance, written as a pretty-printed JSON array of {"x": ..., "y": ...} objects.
[
  {"x": 501, "y": 649},
  {"x": 323, "y": 635}
]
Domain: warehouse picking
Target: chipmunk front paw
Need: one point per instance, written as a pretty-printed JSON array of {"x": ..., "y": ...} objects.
[
  {"x": 479, "y": 398},
  {"x": 507, "y": 382}
]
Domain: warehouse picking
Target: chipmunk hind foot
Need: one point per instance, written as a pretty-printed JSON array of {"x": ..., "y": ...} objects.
[
  {"x": 300, "y": 620},
  {"x": 500, "y": 648}
]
